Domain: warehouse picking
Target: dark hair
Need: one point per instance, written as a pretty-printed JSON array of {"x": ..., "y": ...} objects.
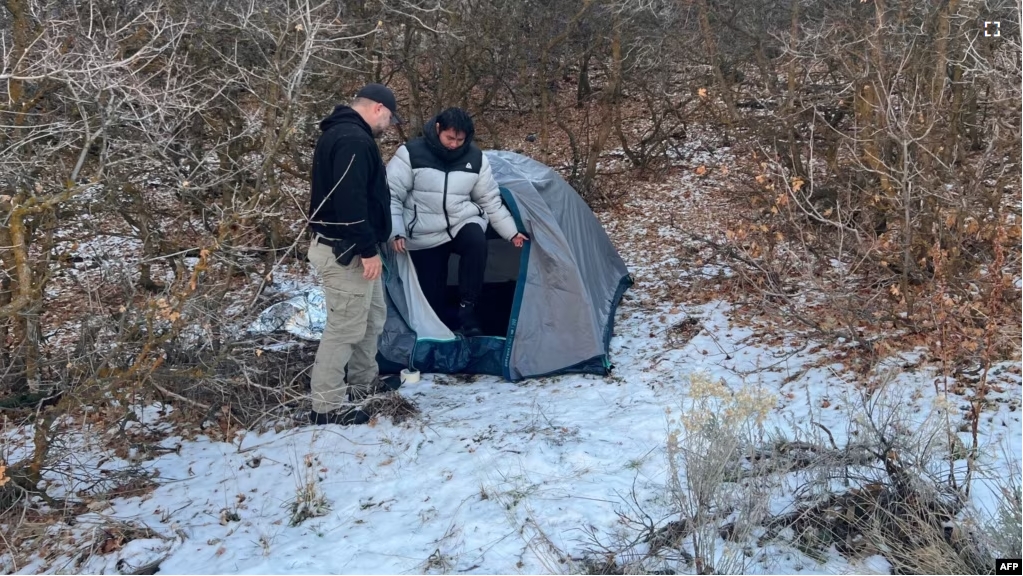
[{"x": 458, "y": 119}]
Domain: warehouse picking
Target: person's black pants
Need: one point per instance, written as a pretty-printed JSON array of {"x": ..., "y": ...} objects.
[{"x": 432, "y": 267}]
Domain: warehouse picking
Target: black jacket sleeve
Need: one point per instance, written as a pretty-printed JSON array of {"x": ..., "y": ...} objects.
[{"x": 350, "y": 198}]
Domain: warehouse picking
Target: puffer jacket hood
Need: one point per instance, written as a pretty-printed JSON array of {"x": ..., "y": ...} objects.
[{"x": 432, "y": 139}]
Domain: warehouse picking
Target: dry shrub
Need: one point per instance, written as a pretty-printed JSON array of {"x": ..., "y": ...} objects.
[
  {"x": 309, "y": 500},
  {"x": 717, "y": 494},
  {"x": 903, "y": 495},
  {"x": 899, "y": 488}
]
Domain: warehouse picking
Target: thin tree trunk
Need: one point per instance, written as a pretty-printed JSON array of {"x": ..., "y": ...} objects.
[
  {"x": 544, "y": 109},
  {"x": 711, "y": 49},
  {"x": 23, "y": 32},
  {"x": 608, "y": 103},
  {"x": 583, "y": 89},
  {"x": 545, "y": 95},
  {"x": 795, "y": 156},
  {"x": 28, "y": 318}
]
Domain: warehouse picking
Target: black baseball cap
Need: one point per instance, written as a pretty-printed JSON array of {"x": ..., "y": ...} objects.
[{"x": 383, "y": 95}]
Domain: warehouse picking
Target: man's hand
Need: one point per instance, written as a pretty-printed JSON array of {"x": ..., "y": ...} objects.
[
  {"x": 519, "y": 240},
  {"x": 399, "y": 244},
  {"x": 371, "y": 267}
]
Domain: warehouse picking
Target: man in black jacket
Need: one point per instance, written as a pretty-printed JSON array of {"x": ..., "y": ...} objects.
[{"x": 350, "y": 218}]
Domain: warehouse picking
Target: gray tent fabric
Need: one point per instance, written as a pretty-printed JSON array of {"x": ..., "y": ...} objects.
[
  {"x": 573, "y": 273},
  {"x": 568, "y": 280}
]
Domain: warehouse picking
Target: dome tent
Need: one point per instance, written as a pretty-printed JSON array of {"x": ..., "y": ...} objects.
[{"x": 547, "y": 308}]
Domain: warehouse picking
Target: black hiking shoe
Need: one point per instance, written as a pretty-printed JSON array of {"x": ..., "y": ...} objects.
[
  {"x": 470, "y": 326},
  {"x": 345, "y": 416}
]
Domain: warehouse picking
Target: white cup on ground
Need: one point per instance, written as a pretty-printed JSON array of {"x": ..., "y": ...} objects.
[{"x": 409, "y": 376}]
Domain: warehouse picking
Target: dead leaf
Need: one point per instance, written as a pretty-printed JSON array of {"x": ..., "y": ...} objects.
[
  {"x": 701, "y": 170},
  {"x": 111, "y": 544},
  {"x": 702, "y": 92},
  {"x": 797, "y": 183}
]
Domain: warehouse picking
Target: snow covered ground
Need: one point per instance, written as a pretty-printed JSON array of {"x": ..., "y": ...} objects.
[{"x": 495, "y": 477}]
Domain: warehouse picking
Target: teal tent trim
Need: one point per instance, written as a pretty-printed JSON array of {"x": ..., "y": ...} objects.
[{"x": 520, "y": 285}]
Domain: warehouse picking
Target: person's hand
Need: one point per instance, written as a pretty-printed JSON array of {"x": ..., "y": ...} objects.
[
  {"x": 399, "y": 244},
  {"x": 371, "y": 267},
  {"x": 519, "y": 240}
]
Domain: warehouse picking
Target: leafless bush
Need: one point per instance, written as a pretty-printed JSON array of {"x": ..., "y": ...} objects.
[
  {"x": 897, "y": 488},
  {"x": 1003, "y": 530},
  {"x": 888, "y": 158},
  {"x": 903, "y": 492},
  {"x": 717, "y": 491},
  {"x": 718, "y": 429},
  {"x": 154, "y": 155}
]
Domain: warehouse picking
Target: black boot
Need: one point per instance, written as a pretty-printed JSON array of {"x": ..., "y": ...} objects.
[
  {"x": 470, "y": 326},
  {"x": 345, "y": 416}
]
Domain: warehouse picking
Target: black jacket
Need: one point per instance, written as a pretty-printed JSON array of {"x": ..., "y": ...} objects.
[{"x": 350, "y": 200}]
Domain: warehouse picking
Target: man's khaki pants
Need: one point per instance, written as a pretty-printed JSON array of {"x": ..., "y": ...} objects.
[{"x": 355, "y": 319}]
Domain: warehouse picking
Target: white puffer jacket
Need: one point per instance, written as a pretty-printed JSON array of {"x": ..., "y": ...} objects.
[{"x": 432, "y": 197}]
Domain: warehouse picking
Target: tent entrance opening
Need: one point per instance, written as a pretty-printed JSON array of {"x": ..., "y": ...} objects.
[{"x": 499, "y": 281}]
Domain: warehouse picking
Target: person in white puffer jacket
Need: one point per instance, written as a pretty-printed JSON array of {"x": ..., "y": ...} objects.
[{"x": 443, "y": 196}]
